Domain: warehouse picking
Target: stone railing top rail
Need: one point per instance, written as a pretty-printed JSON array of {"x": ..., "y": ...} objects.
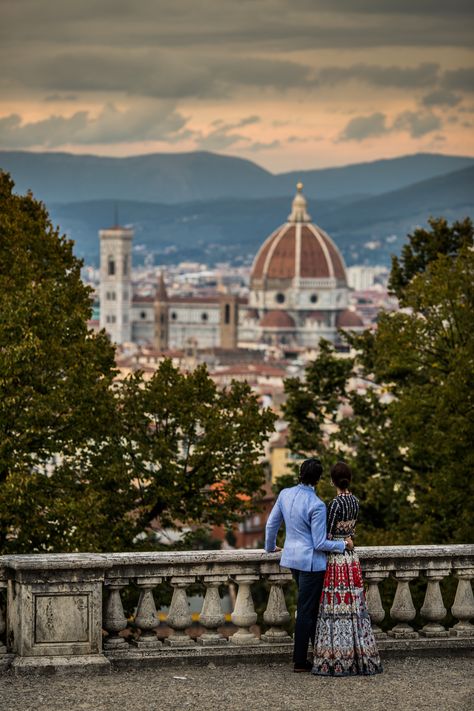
[{"x": 72, "y": 561}]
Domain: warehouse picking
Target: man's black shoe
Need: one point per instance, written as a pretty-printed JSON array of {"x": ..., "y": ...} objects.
[{"x": 305, "y": 667}]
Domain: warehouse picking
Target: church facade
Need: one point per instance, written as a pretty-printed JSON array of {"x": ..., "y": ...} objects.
[{"x": 298, "y": 295}]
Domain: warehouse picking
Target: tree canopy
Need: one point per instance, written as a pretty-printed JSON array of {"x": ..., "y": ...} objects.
[
  {"x": 401, "y": 410},
  {"x": 88, "y": 462}
]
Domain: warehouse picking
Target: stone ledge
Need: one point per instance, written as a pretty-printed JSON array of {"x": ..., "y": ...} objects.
[{"x": 80, "y": 664}]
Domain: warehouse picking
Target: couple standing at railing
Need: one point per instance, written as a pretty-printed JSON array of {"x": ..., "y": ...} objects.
[{"x": 331, "y": 585}]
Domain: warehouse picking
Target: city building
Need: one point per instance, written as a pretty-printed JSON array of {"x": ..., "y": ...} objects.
[{"x": 298, "y": 294}]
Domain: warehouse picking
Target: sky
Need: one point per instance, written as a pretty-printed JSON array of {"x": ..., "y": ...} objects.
[{"x": 289, "y": 84}]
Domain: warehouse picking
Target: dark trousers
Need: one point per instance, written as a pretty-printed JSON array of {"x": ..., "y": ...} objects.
[{"x": 310, "y": 587}]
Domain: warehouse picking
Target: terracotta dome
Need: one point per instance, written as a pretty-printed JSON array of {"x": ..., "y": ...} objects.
[
  {"x": 277, "y": 319},
  {"x": 349, "y": 319},
  {"x": 299, "y": 249}
]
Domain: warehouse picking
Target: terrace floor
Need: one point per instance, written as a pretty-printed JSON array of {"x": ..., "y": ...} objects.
[{"x": 407, "y": 684}]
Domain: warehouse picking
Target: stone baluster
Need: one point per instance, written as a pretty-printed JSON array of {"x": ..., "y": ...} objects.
[
  {"x": 114, "y": 616},
  {"x": 211, "y": 616},
  {"x": 146, "y": 618},
  {"x": 374, "y": 601},
  {"x": 179, "y": 616},
  {"x": 276, "y": 613},
  {"x": 402, "y": 610},
  {"x": 463, "y": 606},
  {"x": 244, "y": 614},
  {"x": 433, "y": 608}
]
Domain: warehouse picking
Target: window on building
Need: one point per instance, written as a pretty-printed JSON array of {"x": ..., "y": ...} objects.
[
  {"x": 313, "y": 298},
  {"x": 111, "y": 266},
  {"x": 227, "y": 313},
  {"x": 280, "y": 298},
  {"x": 125, "y": 265},
  {"x": 162, "y": 318},
  {"x": 204, "y": 316},
  {"x": 143, "y": 315},
  {"x": 174, "y": 315}
]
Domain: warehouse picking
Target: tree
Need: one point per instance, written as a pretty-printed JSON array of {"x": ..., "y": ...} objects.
[
  {"x": 409, "y": 421},
  {"x": 87, "y": 462},
  {"x": 425, "y": 246},
  {"x": 194, "y": 450},
  {"x": 55, "y": 375}
]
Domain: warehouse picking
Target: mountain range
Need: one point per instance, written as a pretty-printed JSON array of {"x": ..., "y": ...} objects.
[{"x": 216, "y": 208}]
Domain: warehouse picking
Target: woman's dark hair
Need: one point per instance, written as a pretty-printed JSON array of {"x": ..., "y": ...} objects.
[
  {"x": 341, "y": 475},
  {"x": 310, "y": 471}
]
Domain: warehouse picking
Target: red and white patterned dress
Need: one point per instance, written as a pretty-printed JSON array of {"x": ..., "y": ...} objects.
[{"x": 344, "y": 643}]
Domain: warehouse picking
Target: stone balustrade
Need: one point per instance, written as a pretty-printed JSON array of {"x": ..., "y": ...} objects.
[{"x": 66, "y": 611}]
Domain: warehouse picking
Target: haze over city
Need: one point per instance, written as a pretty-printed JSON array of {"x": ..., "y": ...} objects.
[{"x": 290, "y": 85}]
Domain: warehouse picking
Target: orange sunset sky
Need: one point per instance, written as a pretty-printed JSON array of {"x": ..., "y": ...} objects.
[{"x": 286, "y": 83}]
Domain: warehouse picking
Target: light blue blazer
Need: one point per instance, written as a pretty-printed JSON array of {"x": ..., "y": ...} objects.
[{"x": 304, "y": 515}]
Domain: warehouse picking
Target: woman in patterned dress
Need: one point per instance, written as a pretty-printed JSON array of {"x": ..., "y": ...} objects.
[{"x": 344, "y": 643}]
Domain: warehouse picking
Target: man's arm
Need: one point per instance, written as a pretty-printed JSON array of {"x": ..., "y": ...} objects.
[
  {"x": 318, "y": 531},
  {"x": 273, "y": 524}
]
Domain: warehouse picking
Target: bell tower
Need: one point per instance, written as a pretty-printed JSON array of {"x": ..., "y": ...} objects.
[
  {"x": 161, "y": 316},
  {"x": 229, "y": 321},
  {"x": 116, "y": 282}
]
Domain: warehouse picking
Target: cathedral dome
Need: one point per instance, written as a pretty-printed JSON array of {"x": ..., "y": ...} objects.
[
  {"x": 298, "y": 249},
  {"x": 349, "y": 319},
  {"x": 277, "y": 319}
]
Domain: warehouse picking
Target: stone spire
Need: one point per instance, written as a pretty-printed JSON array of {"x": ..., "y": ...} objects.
[
  {"x": 298, "y": 208},
  {"x": 161, "y": 293}
]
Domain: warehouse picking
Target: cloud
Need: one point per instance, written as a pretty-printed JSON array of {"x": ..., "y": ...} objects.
[
  {"x": 141, "y": 123},
  {"x": 222, "y": 135},
  {"x": 362, "y": 127},
  {"x": 459, "y": 79},
  {"x": 441, "y": 97},
  {"x": 393, "y": 76},
  {"x": 417, "y": 124}
]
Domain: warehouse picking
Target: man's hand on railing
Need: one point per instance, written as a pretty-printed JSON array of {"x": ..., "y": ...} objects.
[{"x": 277, "y": 549}]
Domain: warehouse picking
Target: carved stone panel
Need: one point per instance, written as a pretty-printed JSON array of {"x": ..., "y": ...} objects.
[{"x": 61, "y": 618}]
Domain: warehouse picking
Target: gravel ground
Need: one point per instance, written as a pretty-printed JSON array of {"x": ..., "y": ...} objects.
[{"x": 410, "y": 684}]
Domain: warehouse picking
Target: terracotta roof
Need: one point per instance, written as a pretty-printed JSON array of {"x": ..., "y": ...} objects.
[
  {"x": 349, "y": 319},
  {"x": 299, "y": 248},
  {"x": 277, "y": 319}
]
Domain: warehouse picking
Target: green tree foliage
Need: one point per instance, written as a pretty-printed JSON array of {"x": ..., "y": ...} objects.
[
  {"x": 86, "y": 462},
  {"x": 425, "y": 246},
  {"x": 404, "y": 417},
  {"x": 55, "y": 376}
]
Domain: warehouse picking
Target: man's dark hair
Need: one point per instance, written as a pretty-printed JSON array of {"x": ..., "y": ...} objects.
[
  {"x": 310, "y": 471},
  {"x": 341, "y": 475}
]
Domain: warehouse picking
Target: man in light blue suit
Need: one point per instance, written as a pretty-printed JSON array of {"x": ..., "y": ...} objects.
[{"x": 304, "y": 551}]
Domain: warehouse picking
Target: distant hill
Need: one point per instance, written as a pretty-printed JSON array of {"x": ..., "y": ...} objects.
[
  {"x": 200, "y": 176},
  {"x": 367, "y": 230}
]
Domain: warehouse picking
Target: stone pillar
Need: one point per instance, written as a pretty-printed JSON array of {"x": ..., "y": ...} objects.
[
  {"x": 433, "y": 608},
  {"x": 276, "y": 613},
  {"x": 146, "y": 618},
  {"x": 463, "y": 606},
  {"x": 179, "y": 616},
  {"x": 402, "y": 610},
  {"x": 374, "y": 601},
  {"x": 211, "y": 616},
  {"x": 114, "y": 616},
  {"x": 244, "y": 614},
  {"x": 3, "y": 649},
  {"x": 54, "y": 616}
]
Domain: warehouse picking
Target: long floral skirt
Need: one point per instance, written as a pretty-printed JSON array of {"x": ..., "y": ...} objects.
[{"x": 344, "y": 643}]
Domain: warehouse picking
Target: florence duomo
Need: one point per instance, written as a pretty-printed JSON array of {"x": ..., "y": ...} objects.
[
  {"x": 298, "y": 294},
  {"x": 236, "y": 422}
]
